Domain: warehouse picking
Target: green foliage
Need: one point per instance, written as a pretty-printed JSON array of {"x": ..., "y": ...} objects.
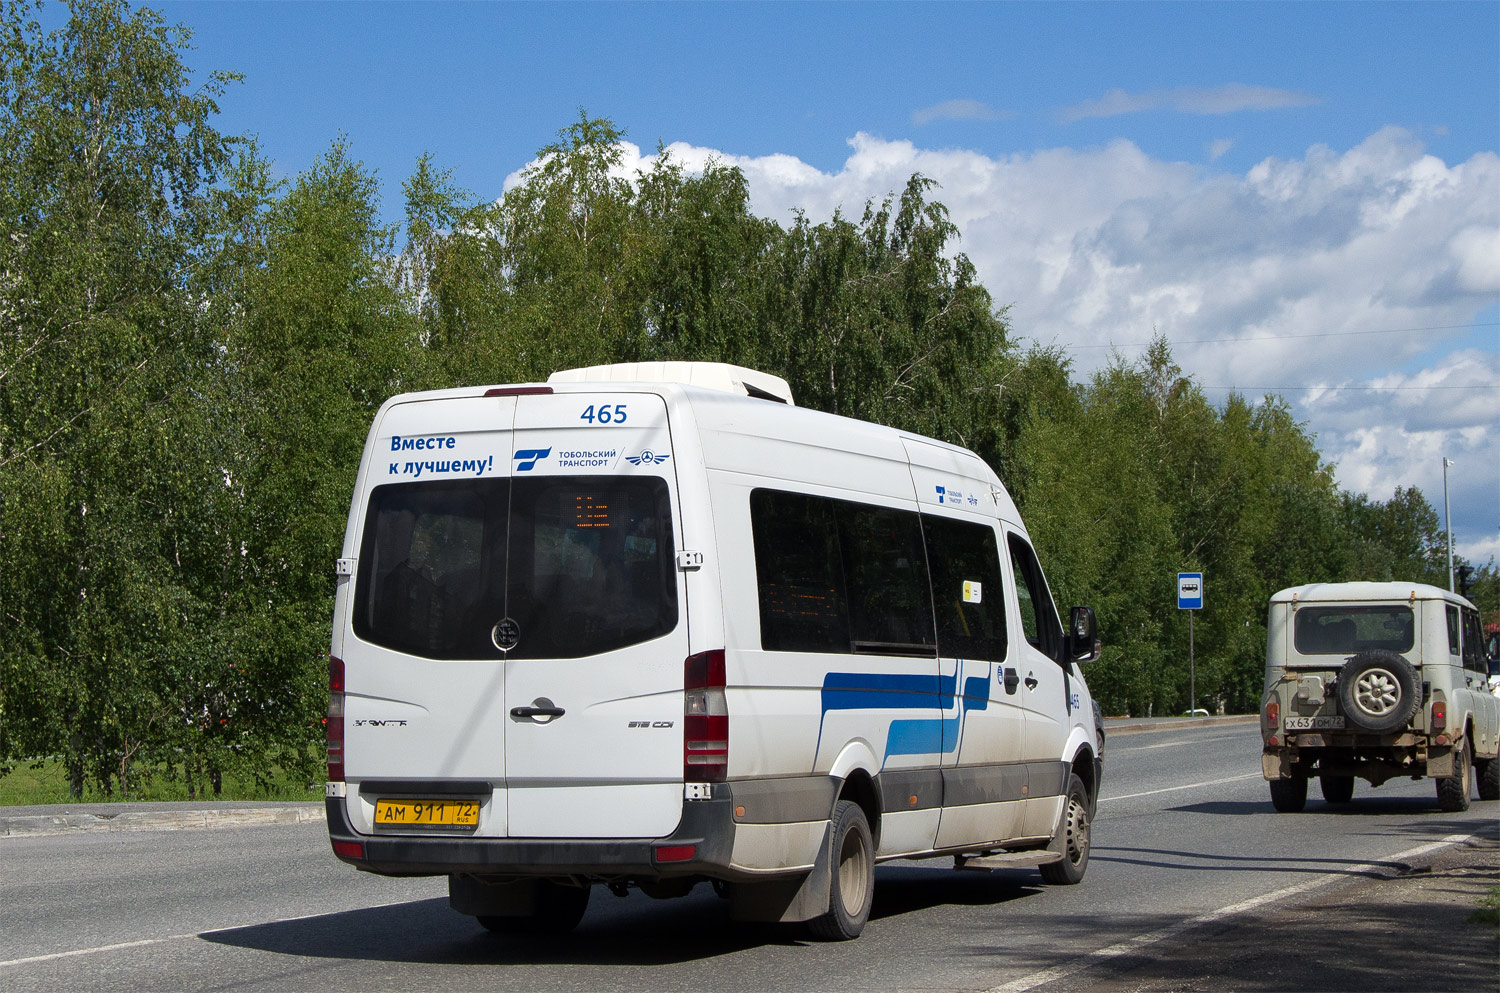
[
  {"x": 191, "y": 353},
  {"x": 107, "y": 170}
]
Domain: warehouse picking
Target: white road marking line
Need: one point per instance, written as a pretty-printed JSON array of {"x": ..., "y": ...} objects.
[
  {"x": 143, "y": 942},
  {"x": 1133, "y": 945},
  {"x": 1179, "y": 744},
  {"x": 1187, "y": 786},
  {"x": 92, "y": 951}
]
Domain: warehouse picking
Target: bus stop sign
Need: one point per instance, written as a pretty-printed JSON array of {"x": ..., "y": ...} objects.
[{"x": 1190, "y": 591}]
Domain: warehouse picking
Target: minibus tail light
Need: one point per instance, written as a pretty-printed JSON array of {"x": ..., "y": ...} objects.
[
  {"x": 1439, "y": 724},
  {"x": 334, "y": 722},
  {"x": 705, "y": 724},
  {"x": 1273, "y": 716},
  {"x": 349, "y": 849}
]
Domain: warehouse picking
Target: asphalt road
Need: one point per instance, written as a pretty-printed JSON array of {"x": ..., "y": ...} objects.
[{"x": 1185, "y": 840}]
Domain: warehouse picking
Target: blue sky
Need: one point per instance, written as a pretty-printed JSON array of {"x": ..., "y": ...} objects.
[
  {"x": 483, "y": 85},
  {"x": 1321, "y": 178}
]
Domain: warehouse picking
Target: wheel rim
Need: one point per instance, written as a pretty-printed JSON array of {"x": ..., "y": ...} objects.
[
  {"x": 1077, "y": 841},
  {"x": 1377, "y": 692},
  {"x": 854, "y": 873}
]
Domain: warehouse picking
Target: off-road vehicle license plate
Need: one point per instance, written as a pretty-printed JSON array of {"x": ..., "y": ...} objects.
[{"x": 1315, "y": 724}]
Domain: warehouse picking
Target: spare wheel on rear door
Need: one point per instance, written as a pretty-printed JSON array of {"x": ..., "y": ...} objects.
[{"x": 1378, "y": 691}]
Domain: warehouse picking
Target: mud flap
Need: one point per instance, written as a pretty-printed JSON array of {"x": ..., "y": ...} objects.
[
  {"x": 1275, "y": 765},
  {"x": 788, "y": 899},
  {"x": 1440, "y": 760}
]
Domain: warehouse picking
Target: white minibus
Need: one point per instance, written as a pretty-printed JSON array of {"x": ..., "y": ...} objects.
[{"x": 654, "y": 625}]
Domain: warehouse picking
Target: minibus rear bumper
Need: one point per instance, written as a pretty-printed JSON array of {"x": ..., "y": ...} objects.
[{"x": 701, "y": 845}]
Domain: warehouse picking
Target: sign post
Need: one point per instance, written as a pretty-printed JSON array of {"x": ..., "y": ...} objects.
[{"x": 1190, "y": 598}]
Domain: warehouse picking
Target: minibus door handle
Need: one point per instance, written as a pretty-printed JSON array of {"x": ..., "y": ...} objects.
[
  {"x": 1012, "y": 680},
  {"x": 541, "y": 711}
]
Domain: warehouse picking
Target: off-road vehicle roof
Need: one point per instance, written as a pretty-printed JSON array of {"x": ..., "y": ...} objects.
[{"x": 1345, "y": 592}]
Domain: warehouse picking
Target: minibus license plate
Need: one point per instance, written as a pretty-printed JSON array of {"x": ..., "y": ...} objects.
[
  {"x": 1315, "y": 724},
  {"x": 427, "y": 813}
]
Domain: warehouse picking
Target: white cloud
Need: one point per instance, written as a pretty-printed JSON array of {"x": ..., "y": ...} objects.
[
  {"x": 1098, "y": 247},
  {"x": 1227, "y": 99},
  {"x": 1399, "y": 437},
  {"x": 1218, "y": 148},
  {"x": 1477, "y": 252},
  {"x": 957, "y": 110}
]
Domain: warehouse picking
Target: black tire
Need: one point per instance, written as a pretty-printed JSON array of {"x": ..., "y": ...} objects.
[
  {"x": 851, "y": 890},
  {"x": 1489, "y": 778},
  {"x": 1072, "y": 839},
  {"x": 1378, "y": 692},
  {"x": 559, "y": 909},
  {"x": 1337, "y": 789},
  {"x": 1289, "y": 796},
  {"x": 1453, "y": 791}
]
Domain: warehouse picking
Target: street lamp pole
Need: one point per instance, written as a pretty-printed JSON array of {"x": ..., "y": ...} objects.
[{"x": 1448, "y": 520}]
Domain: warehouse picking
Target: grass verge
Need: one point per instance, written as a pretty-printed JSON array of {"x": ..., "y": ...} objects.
[{"x": 46, "y": 782}]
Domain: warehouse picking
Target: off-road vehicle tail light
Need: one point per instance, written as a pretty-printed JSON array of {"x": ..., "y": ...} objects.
[{"x": 1439, "y": 723}]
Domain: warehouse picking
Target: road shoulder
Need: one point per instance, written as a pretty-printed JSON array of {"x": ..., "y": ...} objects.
[
  {"x": 185, "y": 816},
  {"x": 1361, "y": 936}
]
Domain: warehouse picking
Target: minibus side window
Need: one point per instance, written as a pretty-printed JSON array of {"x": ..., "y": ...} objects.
[
  {"x": 967, "y": 589},
  {"x": 1038, "y": 615},
  {"x": 799, "y": 577},
  {"x": 885, "y": 566},
  {"x": 839, "y": 576}
]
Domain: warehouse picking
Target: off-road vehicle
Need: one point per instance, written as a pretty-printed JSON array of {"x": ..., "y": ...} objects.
[{"x": 1375, "y": 681}]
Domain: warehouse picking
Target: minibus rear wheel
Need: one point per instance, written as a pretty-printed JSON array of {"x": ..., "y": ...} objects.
[
  {"x": 851, "y": 889},
  {"x": 559, "y": 908}
]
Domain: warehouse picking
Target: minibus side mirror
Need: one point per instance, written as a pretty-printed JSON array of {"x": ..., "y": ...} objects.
[{"x": 1083, "y": 643}]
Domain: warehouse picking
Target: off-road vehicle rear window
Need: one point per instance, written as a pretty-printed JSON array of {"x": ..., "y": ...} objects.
[
  {"x": 1350, "y": 630},
  {"x": 574, "y": 566}
]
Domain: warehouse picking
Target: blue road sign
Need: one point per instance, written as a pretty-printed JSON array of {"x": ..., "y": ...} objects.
[{"x": 1190, "y": 591}]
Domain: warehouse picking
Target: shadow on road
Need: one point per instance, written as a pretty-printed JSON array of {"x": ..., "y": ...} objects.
[
  {"x": 1240, "y": 862},
  {"x": 634, "y": 931},
  {"x": 904, "y": 889},
  {"x": 1426, "y": 823},
  {"x": 1366, "y": 805}
]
